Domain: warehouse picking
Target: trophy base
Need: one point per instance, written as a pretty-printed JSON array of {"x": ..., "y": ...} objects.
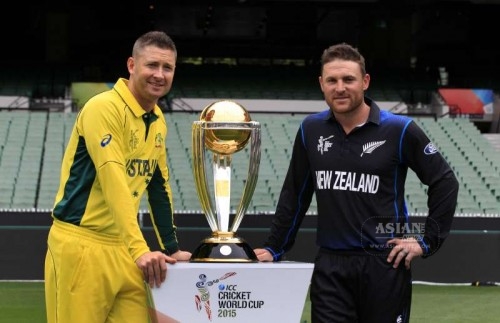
[{"x": 223, "y": 247}]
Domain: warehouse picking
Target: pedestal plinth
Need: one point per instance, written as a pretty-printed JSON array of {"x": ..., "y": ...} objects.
[{"x": 231, "y": 292}]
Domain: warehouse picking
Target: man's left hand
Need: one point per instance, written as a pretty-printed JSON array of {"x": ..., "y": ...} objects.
[{"x": 406, "y": 249}]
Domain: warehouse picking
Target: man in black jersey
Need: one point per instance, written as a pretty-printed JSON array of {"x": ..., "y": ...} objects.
[{"x": 354, "y": 157}]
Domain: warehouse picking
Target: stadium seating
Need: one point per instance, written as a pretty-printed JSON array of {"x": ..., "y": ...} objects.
[
  {"x": 472, "y": 158},
  {"x": 286, "y": 82},
  {"x": 32, "y": 144}
]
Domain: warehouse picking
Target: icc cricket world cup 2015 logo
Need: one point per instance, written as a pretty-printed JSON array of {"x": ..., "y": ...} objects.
[{"x": 202, "y": 300}]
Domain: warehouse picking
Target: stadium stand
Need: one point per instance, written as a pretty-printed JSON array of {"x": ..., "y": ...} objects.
[
  {"x": 472, "y": 158},
  {"x": 32, "y": 145},
  {"x": 277, "y": 82}
]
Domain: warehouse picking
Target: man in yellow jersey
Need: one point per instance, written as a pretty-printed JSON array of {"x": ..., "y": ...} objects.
[{"x": 97, "y": 259}]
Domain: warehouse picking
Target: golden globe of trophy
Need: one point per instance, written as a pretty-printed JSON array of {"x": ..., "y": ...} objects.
[{"x": 224, "y": 128}]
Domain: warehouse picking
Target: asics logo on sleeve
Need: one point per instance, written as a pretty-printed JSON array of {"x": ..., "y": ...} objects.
[
  {"x": 430, "y": 149},
  {"x": 106, "y": 140}
]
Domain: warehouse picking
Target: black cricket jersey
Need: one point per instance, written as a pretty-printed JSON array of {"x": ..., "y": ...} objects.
[{"x": 358, "y": 181}]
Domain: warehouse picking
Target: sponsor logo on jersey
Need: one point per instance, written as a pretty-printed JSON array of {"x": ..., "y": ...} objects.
[
  {"x": 106, "y": 139},
  {"x": 347, "y": 181},
  {"x": 369, "y": 147},
  {"x": 134, "y": 140},
  {"x": 430, "y": 149},
  {"x": 158, "y": 140},
  {"x": 324, "y": 144}
]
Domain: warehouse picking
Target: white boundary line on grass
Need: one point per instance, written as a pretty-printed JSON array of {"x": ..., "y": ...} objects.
[{"x": 419, "y": 282}]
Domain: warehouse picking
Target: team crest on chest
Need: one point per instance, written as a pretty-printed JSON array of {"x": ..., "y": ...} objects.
[{"x": 369, "y": 147}]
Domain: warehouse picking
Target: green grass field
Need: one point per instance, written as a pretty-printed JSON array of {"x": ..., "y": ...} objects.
[{"x": 23, "y": 302}]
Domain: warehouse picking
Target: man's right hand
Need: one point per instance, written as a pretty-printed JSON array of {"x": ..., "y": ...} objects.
[
  {"x": 181, "y": 255},
  {"x": 154, "y": 267}
]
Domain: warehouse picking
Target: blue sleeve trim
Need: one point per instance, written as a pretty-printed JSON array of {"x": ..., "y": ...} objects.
[
  {"x": 276, "y": 256},
  {"x": 302, "y": 136},
  {"x": 299, "y": 206},
  {"x": 423, "y": 245},
  {"x": 401, "y": 141}
]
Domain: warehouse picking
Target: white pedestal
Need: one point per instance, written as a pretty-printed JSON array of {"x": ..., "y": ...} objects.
[{"x": 231, "y": 292}]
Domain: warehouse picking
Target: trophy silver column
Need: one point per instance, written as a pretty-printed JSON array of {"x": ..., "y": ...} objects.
[{"x": 224, "y": 128}]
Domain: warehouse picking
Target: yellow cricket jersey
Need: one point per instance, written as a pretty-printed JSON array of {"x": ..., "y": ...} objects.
[{"x": 115, "y": 153}]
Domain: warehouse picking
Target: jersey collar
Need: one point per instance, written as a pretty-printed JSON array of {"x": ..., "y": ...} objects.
[{"x": 373, "y": 117}]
